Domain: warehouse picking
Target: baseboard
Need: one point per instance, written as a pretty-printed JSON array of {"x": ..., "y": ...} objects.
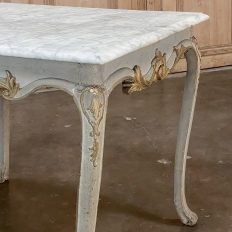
[{"x": 212, "y": 57}]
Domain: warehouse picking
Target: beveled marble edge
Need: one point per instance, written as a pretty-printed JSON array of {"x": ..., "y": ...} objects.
[
  {"x": 148, "y": 39},
  {"x": 108, "y": 53}
]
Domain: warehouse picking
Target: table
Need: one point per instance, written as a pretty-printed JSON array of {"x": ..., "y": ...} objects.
[{"x": 87, "y": 52}]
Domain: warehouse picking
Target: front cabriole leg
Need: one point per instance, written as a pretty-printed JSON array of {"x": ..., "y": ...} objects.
[
  {"x": 92, "y": 102},
  {"x": 161, "y": 68}
]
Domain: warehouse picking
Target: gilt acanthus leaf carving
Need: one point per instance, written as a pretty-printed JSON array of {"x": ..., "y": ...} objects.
[
  {"x": 94, "y": 114},
  {"x": 159, "y": 67},
  {"x": 9, "y": 88}
]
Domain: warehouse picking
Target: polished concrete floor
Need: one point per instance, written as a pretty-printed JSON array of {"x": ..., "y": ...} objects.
[{"x": 137, "y": 186}]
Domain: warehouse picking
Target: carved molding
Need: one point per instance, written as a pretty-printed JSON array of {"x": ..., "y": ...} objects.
[
  {"x": 159, "y": 67},
  {"x": 94, "y": 114},
  {"x": 9, "y": 88}
]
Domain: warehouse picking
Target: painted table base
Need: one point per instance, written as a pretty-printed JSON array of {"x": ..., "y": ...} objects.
[{"x": 92, "y": 104}]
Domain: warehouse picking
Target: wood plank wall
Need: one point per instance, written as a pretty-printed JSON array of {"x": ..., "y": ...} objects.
[{"x": 214, "y": 36}]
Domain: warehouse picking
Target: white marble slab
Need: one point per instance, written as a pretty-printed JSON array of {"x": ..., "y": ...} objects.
[{"x": 84, "y": 35}]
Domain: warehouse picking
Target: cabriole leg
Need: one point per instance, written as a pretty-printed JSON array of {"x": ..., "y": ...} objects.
[
  {"x": 93, "y": 104},
  {"x": 160, "y": 69},
  {"x": 188, "y": 105},
  {"x": 4, "y": 139}
]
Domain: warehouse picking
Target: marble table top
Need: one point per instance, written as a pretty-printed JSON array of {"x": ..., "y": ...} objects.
[{"x": 84, "y": 35}]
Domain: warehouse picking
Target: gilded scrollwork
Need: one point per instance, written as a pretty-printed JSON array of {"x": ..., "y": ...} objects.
[
  {"x": 9, "y": 88},
  {"x": 159, "y": 67},
  {"x": 160, "y": 71},
  {"x": 94, "y": 114}
]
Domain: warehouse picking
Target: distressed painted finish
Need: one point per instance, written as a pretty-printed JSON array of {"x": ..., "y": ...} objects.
[
  {"x": 93, "y": 77},
  {"x": 91, "y": 167}
]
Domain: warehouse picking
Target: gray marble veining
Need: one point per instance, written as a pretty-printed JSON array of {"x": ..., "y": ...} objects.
[{"x": 84, "y": 35}]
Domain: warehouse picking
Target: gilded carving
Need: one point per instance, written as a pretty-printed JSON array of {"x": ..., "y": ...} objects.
[
  {"x": 94, "y": 150},
  {"x": 160, "y": 70},
  {"x": 94, "y": 114},
  {"x": 9, "y": 88},
  {"x": 95, "y": 106}
]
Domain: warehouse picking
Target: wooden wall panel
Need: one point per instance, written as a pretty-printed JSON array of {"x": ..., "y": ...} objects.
[
  {"x": 180, "y": 5},
  {"x": 66, "y": 3},
  {"x": 13, "y": 1},
  {"x": 49, "y": 2},
  {"x": 141, "y": 4},
  {"x": 217, "y": 30},
  {"x": 112, "y": 4},
  {"x": 134, "y": 5},
  {"x": 122, "y": 4},
  {"x": 127, "y": 4},
  {"x": 36, "y": 2},
  {"x": 154, "y": 5},
  {"x": 202, "y": 31},
  {"x": 220, "y": 22},
  {"x": 169, "y": 5},
  {"x": 83, "y": 3},
  {"x": 213, "y": 35}
]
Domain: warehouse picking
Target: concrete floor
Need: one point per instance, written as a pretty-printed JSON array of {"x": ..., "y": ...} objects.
[{"x": 137, "y": 191}]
